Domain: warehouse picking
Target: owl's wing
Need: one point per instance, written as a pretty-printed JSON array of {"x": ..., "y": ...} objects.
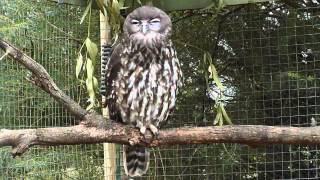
[{"x": 112, "y": 70}]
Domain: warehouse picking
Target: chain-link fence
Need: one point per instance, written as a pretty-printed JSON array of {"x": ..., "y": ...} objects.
[{"x": 266, "y": 56}]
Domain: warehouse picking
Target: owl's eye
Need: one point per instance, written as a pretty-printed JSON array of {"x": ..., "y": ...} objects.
[
  {"x": 155, "y": 20},
  {"x": 134, "y": 21}
]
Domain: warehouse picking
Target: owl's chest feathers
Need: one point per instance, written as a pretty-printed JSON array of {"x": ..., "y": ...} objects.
[{"x": 146, "y": 85}]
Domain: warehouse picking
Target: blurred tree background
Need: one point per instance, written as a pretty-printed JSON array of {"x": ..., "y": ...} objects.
[{"x": 267, "y": 57}]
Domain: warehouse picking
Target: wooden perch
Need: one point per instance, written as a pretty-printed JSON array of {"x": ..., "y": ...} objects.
[
  {"x": 22, "y": 139},
  {"x": 94, "y": 129}
]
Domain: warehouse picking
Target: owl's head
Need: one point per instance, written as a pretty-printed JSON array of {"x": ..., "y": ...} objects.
[{"x": 147, "y": 25}]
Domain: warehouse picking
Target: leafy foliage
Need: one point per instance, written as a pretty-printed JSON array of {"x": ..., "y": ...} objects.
[{"x": 86, "y": 64}]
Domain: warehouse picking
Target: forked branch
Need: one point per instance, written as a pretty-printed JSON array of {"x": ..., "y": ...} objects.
[{"x": 90, "y": 131}]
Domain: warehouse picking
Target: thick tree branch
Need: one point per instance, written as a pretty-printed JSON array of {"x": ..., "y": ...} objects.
[
  {"x": 22, "y": 139},
  {"x": 88, "y": 131}
]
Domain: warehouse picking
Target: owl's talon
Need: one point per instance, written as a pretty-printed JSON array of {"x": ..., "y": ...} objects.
[
  {"x": 153, "y": 129},
  {"x": 143, "y": 130},
  {"x": 131, "y": 142}
]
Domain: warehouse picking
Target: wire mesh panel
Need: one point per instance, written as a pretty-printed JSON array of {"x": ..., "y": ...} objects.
[
  {"x": 51, "y": 34},
  {"x": 267, "y": 57}
]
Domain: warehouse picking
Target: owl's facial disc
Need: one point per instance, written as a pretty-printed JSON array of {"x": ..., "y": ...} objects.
[{"x": 145, "y": 26}]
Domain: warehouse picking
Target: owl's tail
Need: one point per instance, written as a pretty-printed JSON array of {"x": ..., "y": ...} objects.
[{"x": 135, "y": 160}]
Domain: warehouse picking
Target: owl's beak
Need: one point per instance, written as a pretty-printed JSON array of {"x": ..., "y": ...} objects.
[{"x": 144, "y": 28}]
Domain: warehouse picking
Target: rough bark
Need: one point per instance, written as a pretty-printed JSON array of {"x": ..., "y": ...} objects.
[
  {"x": 94, "y": 129},
  {"x": 22, "y": 139}
]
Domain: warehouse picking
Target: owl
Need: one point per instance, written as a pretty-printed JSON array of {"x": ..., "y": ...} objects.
[{"x": 143, "y": 75}]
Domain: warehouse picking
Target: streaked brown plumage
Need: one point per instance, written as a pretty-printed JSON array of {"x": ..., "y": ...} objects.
[{"x": 142, "y": 79}]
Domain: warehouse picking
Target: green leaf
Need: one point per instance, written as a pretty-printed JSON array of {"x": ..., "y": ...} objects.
[
  {"x": 95, "y": 83},
  {"x": 90, "y": 68},
  {"x": 139, "y": 2},
  {"x": 221, "y": 4},
  {"x": 92, "y": 49},
  {"x": 116, "y": 6},
  {"x": 90, "y": 90},
  {"x": 79, "y": 65},
  {"x": 86, "y": 12},
  {"x": 90, "y": 83},
  {"x": 90, "y": 106},
  {"x": 206, "y": 76},
  {"x": 225, "y": 115},
  {"x": 220, "y": 120},
  {"x": 218, "y": 117},
  {"x": 214, "y": 73},
  {"x": 121, "y": 3}
]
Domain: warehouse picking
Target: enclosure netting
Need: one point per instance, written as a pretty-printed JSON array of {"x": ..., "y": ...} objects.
[
  {"x": 266, "y": 56},
  {"x": 52, "y": 35}
]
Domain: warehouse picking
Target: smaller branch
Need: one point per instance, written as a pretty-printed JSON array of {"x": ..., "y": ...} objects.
[
  {"x": 62, "y": 31},
  {"x": 42, "y": 79}
]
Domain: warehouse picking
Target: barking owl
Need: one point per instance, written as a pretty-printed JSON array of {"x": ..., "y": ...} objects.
[{"x": 142, "y": 79}]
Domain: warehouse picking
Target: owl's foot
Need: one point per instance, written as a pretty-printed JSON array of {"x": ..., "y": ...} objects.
[
  {"x": 141, "y": 127},
  {"x": 152, "y": 128},
  {"x": 143, "y": 130}
]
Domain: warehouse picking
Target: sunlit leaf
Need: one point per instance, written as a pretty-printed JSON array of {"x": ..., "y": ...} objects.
[
  {"x": 204, "y": 69},
  {"x": 90, "y": 82},
  {"x": 139, "y": 2},
  {"x": 121, "y": 3},
  {"x": 89, "y": 68},
  {"x": 213, "y": 73},
  {"x": 225, "y": 115},
  {"x": 90, "y": 90},
  {"x": 116, "y": 6},
  {"x": 95, "y": 83},
  {"x": 91, "y": 105},
  {"x": 79, "y": 65},
  {"x": 92, "y": 49},
  {"x": 221, "y": 4},
  {"x": 218, "y": 117}
]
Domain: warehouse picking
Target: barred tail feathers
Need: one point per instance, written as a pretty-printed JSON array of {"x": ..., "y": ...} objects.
[{"x": 135, "y": 160}]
